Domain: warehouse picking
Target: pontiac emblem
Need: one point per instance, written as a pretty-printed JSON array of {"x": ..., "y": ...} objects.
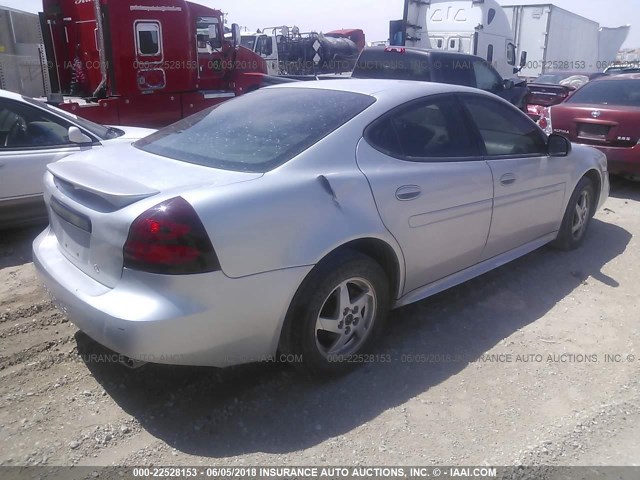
[{"x": 595, "y": 113}]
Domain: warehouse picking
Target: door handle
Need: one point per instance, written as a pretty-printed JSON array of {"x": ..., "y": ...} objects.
[
  {"x": 508, "y": 179},
  {"x": 408, "y": 192}
]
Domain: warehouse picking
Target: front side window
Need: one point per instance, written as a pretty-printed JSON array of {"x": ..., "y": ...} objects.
[
  {"x": 265, "y": 46},
  {"x": 511, "y": 54},
  {"x": 208, "y": 34},
  {"x": 259, "y": 131},
  {"x": 105, "y": 133},
  {"x": 504, "y": 129},
  {"x": 22, "y": 126},
  {"x": 486, "y": 77},
  {"x": 426, "y": 130},
  {"x": 148, "y": 38}
]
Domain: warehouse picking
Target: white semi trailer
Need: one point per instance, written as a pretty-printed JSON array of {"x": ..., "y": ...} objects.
[
  {"x": 476, "y": 27},
  {"x": 558, "y": 40}
]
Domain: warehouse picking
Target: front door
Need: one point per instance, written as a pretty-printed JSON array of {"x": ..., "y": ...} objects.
[
  {"x": 529, "y": 185},
  {"x": 29, "y": 140},
  {"x": 432, "y": 188},
  {"x": 267, "y": 48},
  {"x": 209, "y": 42}
]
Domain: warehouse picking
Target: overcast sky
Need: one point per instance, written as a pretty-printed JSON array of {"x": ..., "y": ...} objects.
[{"x": 373, "y": 16}]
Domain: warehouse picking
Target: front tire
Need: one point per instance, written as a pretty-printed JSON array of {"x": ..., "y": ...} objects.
[
  {"x": 337, "y": 314},
  {"x": 577, "y": 217}
]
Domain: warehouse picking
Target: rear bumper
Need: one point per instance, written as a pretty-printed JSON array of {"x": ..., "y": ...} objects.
[
  {"x": 622, "y": 160},
  {"x": 208, "y": 319}
]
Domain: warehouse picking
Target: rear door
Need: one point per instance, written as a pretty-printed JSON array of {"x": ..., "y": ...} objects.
[
  {"x": 433, "y": 190},
  {"x": 529, "y": 185}
]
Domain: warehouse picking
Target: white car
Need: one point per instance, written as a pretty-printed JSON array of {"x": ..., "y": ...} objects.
[
  {"x": 34, "y": 134},
  {"x": 292, "y": 218}
]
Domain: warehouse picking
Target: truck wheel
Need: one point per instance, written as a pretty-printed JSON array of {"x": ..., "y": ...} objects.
[
  {"x": 337, "y": 313},
  {"x": 577, "y": 217}
]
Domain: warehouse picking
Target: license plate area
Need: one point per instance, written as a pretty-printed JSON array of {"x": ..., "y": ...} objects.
[
  {"x": 593, "y": 131},
  {"x": 74, "y": 218},
  {"x": 73, "y": 231}
]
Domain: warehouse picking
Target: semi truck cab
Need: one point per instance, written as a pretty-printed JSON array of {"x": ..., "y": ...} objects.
[
  {"x": 475, "y": 27},
  {"x": 133, "y": 62}
]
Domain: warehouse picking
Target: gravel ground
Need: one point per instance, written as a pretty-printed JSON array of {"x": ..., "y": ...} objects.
[{"x": 509, "y": 368}]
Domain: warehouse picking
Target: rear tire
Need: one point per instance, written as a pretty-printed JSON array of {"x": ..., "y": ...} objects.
[
  {"x": 577, "y": 217},
  {"x": 337, "y": 314}
]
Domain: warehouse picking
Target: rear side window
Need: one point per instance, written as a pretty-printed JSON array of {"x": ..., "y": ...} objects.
[
  {"x": 610, "y": 92},
  {"x": 429, "y": 129},
  {"x": 258, "y": 131},
  {"x": 377, "y": 63},
  {"x": 454, "y": 70},
  {"x": 22, "y": 126},
  {"x": 505, "y": 130}
]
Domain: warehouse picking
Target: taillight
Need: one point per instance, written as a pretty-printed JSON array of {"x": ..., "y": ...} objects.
[
  {"x": 395, "y": 49},
  {"x": 170, "y": 239},
  {"x": 545, "y": 120},
  {"x": 534, "y": 110}
]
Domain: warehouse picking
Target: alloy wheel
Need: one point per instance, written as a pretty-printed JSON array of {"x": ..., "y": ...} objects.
[{"x": 346, "y": 318}]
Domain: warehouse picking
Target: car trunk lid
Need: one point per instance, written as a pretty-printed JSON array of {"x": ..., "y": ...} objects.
[
  {"x": 93, "y": 200},
  {"x": 600, "y": 125}
]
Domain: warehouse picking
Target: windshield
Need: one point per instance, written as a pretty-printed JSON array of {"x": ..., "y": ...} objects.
[
  {"x": 100, "y": 131},
  {"x": 611, "y": 92},
  {"x": 258, "y": 131}
]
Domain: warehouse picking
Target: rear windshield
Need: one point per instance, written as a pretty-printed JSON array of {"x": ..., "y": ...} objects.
[
  {"x": 259, "y": 131},
  {"x": 550, "y": 79},
  {"x": 609, "y": 92},
  {"x": 377, "y": 63}
]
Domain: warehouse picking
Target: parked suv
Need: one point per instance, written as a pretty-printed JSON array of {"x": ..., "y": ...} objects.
[{"x": 404, "y": 63}]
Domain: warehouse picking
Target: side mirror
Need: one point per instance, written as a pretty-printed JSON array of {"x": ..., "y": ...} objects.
[
  {"x": 558, "y": 146},
  {"x": 508, "y": 84},
  {"x": 523, "y": 59},
  {"x": 76, "y": 136},
  {"x": 235, "y": 34}
]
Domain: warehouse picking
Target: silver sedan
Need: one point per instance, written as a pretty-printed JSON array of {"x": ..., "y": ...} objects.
[
  {"x": 34, "y": 134},
  {"x": 290, "y": 221}
]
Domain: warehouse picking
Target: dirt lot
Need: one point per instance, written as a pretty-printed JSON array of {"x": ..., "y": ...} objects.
[{"x": 478, "y": 376}]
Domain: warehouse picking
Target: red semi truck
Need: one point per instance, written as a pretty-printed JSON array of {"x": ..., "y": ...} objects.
[{"x": 143, "y": 62}]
